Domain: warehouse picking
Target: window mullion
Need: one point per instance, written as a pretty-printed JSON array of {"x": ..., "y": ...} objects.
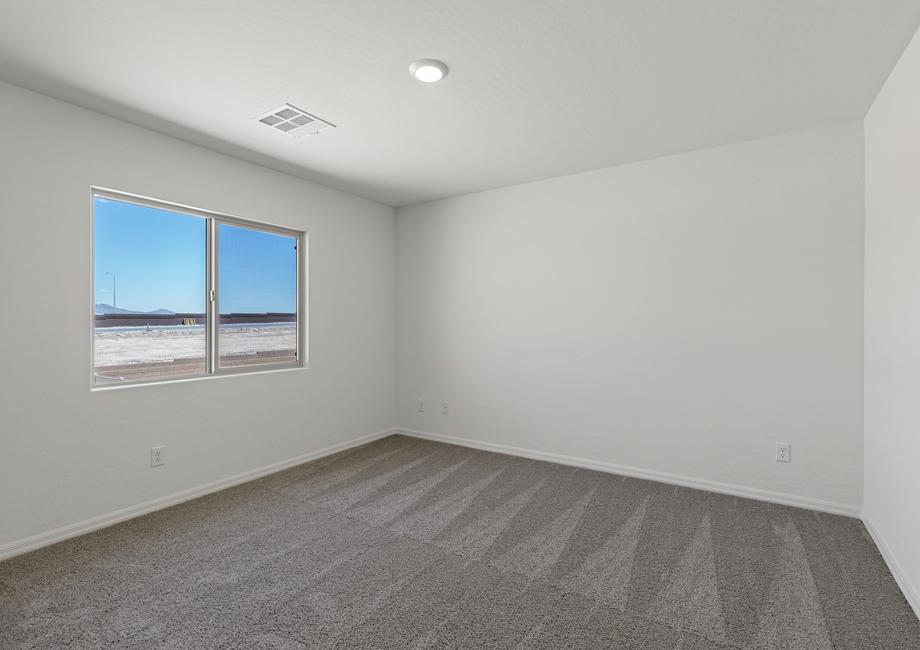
[{"x": 213, "y": 316}]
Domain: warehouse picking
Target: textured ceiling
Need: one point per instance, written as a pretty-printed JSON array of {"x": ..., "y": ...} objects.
[{"x": 537, "y": 88}]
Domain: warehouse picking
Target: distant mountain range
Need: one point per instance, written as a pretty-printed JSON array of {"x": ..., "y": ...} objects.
[{"x": 103, "y": 308}]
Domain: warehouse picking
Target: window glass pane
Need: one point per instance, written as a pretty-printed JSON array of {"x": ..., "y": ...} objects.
[
  {"x": 258, "y": 297},
  {"x": 149, "y": 293}
]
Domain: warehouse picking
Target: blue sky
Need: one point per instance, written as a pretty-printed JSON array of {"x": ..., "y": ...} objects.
[
  {"x": 258, "y": 271},
  {"x": 158, "y": 258}
]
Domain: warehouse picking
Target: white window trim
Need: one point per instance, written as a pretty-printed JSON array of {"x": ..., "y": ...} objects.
[{"x": 212, "y": 290}]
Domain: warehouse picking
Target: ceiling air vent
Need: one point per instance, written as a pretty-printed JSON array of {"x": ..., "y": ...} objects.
[{"x": 293, "y": 121}]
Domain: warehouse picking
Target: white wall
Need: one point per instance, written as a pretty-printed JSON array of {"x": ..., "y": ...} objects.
[
  {"x": 892, "y": 390},
  {"x": 678, "y": 315},
  {"x": 66, "y": 454}
]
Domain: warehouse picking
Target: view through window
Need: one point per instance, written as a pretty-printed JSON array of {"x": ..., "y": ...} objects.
[
  {"x": 156, "y": 313},
  {"x": 258, "y": 297}
]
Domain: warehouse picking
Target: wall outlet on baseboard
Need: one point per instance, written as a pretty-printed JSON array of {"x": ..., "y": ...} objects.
[
  {"x": 420, "y": 405},
  {"x": 157, "y": 456},
  {"x": 783, "y": 452},
  {"x": 445, "y": 408}
]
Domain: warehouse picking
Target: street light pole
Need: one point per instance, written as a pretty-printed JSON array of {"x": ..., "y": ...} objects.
[{"x": 114, "y": 299}]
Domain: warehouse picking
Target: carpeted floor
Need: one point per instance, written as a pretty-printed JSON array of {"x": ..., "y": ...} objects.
[{"x": 414, "y": 544}]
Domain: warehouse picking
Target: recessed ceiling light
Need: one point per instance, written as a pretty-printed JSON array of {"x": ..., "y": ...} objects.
[{"x": 428, "y": 70}]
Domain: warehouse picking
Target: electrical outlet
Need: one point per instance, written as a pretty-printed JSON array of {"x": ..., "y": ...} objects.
[
  {"x": 445, "y": 408},
  {"x": 420, "y": 405},
  {"x": 783, "y": 452},
  {"x": 157, "y": 456}
]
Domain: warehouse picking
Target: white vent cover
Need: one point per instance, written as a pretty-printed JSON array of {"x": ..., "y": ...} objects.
[{"x": 294, "y": 121}]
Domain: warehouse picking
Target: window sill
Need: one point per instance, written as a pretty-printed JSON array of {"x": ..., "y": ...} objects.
[{"x": 182, "y": 380}]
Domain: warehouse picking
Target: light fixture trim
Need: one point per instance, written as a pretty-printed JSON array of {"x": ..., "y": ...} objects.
[{"x": 428, "y": 70}]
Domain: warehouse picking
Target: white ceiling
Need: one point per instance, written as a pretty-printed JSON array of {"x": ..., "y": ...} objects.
[{"x": 537, "y": 88}]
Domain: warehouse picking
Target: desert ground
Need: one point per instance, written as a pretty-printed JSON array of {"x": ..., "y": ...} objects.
[{"x": 136, "y": 353}]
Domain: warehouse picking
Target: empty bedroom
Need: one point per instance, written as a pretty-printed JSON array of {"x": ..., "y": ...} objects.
[{"x": 460, "y": 324}]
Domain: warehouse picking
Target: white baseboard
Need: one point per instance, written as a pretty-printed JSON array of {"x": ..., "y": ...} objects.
[
  {"x": 911, "y": 593},
  {"x": 47, "y": 538},
  {"x": 652, "y": 475}
]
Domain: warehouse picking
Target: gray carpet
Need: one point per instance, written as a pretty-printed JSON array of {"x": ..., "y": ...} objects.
[{"x": 413, "y": 544}]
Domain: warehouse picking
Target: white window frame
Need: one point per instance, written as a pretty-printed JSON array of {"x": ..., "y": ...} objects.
[{"x": 213, "y": 221}]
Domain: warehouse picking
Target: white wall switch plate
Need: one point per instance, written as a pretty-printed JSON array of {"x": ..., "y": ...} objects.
[
  {"x": 445, "y": 408},
  {"x": 157, "y": 456},
  {"x": 420, "y": 405}
]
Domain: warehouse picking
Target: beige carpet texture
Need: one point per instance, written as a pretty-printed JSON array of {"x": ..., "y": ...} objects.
[{"x": 405, "y": 543}]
